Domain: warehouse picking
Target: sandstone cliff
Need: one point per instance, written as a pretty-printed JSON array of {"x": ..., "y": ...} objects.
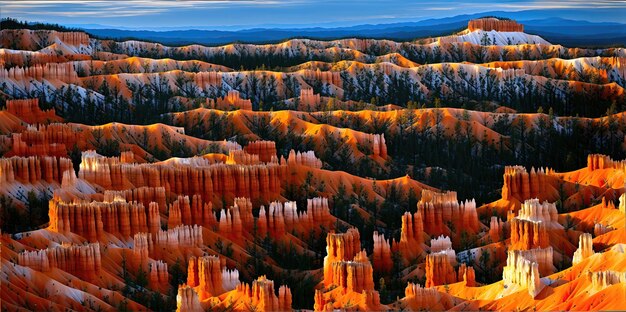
[{"x": 488, "y": 24}]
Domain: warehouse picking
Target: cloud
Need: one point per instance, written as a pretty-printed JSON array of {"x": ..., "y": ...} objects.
[{"x": 217, "y": 13}]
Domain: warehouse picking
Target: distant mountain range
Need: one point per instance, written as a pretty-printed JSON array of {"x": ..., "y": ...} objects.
[{"x": 556, "y": 30}]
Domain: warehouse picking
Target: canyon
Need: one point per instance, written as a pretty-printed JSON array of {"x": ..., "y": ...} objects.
[{"x": 475, "y": 171}]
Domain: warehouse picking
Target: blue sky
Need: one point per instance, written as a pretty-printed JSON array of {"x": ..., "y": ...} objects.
[{"x": 282, "y": 13}]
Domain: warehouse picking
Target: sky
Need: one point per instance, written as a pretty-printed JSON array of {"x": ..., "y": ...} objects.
[{"x": 237, "y": 14}]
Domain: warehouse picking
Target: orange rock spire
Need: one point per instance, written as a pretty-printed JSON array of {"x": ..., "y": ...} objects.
[
  {"x": 439, "y": 270},
  {"x": 411, "y": 236},
  {"x": 381, "y": 257}
]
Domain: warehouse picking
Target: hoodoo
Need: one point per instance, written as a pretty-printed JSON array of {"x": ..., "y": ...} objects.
[
  {"x": 381, "y": 256},
  {"x": 585, "y": 248},
  {"x": 439, "y": 270},
  {"x": 522, "y": 272}
]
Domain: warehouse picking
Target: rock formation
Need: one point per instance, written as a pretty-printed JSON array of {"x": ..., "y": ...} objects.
[
  {"x": 21, "y": 148},
  {"x": 545, "y": 212},
  {"x": 495, "y": 229},
  {"x": 440, "y": 243},
  {"x": 187, "y": 300},
  {"x": 144, "y": 195},
  {"x": 439, "y": 270},
  {"x": 602, "y": 279},
  {"x": 379, "y": 146},
  {"x": 542, "y": 256},
  {"x": 74, "y": 38},
  {"x": 411, "y": 236},
  {"x": 418, "y": 298},
  {"x": 91, "y": 219},
  {"x": 520, "y": 185},
  {"x": 229, "y": 222},
  {"x": 304, "y": 159},
  {"x": 491, "y": 23},
  {"x": 34, "y": 169},
  {"x": 281, "y": 218},
  {"x": 192, "y": 176},
  {"x": 601, "y": 229},
  {"x": 467, "y": 275},
  {"x": 599, "y": 161},
  {"x": 41, "y": 139},
  {"x": 526, "y": 234},
  {"x": 308, "y": 101},
  {"x": 83, "y": 261},
  {"x": 585, "y": 248},
  {"x": 158, "y": 277},
  {"x": 207, "y": 80},
  {"x": 354, "y": 276},
  {"x": 50, "y": 71},
  {"x": 185, "y": 236},
  {"x": 242, "y": 158},
  {"x": 522, "y": 272},
  {"x": 438, "y": 209},
  {"x": 233, "y": 99},
  {"x": 261, "y": 297},
  {"x": 209, "y": 277},
  {"x": 265, "y": 149},
  {"x": 142, "y": 248},
  {"x": 340, "y": 247},
  {"x": 381, "y": 256}
]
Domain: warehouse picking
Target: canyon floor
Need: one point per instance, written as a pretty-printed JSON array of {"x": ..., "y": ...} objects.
[{"x": 476, "y": 171}]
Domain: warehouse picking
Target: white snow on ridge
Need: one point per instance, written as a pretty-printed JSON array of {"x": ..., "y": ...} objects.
[{"x": 502, "y": 38}]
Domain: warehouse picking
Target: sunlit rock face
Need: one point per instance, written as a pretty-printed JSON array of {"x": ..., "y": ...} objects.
[
  {"x": 488, "y": 24},
  {"x": 522, "y": 272},
  {"x": 585, "y": 248}
]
